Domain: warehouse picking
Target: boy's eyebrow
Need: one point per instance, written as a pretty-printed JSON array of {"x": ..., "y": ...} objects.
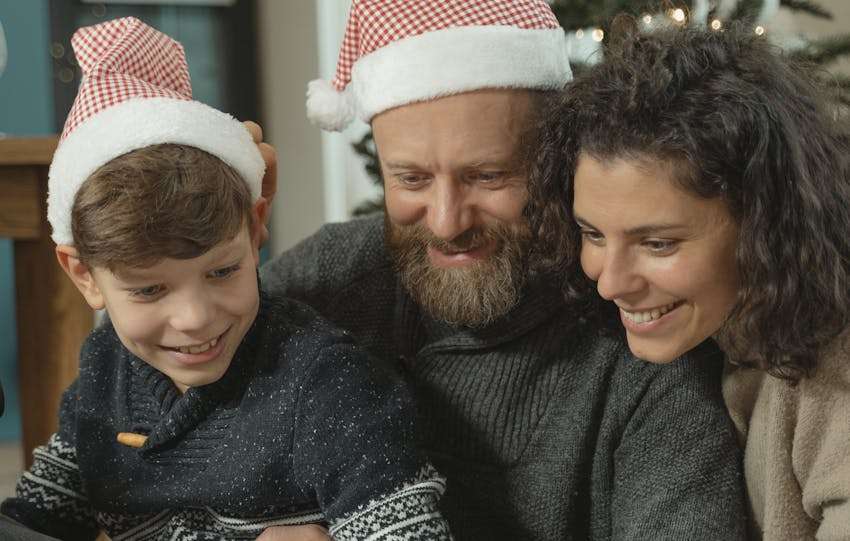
[
  {"x": 136, "y": 274},
  {"x": 228, "y": 250},
  {"x": 131, "y": 274}
]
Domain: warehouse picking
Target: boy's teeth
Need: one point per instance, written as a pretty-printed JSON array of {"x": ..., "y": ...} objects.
[
  {"x": 198, "y": 349},
  {"x": 652, "y": 315}
]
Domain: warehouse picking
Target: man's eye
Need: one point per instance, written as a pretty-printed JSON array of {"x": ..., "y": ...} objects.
[
  {"x": 486, "y": 177},
  {"x": 410, "y": 179},
  {"x": 147, "y": 292},
  {"x": 224, "y": 272}
]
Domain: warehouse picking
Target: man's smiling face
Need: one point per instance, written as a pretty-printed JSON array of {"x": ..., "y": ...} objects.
[{"x": 455, "y": 195}]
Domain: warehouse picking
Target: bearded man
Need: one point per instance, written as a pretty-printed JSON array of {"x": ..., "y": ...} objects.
[{"x": 546, "y": 428}]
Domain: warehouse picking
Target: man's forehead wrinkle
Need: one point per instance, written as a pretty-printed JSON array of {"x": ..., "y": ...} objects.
[{"x": 490, "y": 159}]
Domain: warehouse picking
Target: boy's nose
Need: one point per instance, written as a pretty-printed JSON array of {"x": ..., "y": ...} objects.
[{"x": 192, "y": 315}]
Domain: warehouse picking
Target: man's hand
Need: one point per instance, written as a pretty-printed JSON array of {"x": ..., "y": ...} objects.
[
  {"x": 270, "y": 179},
  {"x": 307, "y": 532}
]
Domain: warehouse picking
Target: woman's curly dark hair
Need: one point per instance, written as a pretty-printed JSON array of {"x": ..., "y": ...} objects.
[{"x": 738, "y": 121}]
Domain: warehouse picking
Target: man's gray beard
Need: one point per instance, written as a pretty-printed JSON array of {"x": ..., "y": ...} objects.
[{"x": 471, "y": 296}]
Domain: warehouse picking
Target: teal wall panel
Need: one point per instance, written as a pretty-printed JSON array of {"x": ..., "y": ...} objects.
[
  {"x": 26, "y": 91},
  {"x": 26, "y": 108}
]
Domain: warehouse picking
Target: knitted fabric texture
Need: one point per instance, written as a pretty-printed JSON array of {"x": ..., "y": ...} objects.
[
  {"x": 545, "y": 429},
  {"x": 796, "y": 439},
  {"x": 302, "y": 428}
]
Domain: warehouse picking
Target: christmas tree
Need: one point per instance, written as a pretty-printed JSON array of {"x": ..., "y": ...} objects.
[{"x": 587, "y": 23}]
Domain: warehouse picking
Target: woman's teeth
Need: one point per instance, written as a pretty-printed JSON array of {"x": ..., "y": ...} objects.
[
  {"x": 652, "y": 315},
  {"x": 198, "y": 349}
]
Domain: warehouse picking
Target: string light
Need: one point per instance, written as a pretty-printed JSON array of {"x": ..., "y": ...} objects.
[
  {"x": 678, "y": 15},
  {"x": 647, "y": 19},
  {"x": 716, "y": 24},
  {"x": 579, "y": 33},
  {"x": 598, "y": 35},
  {"x": 759, "y": 30}
]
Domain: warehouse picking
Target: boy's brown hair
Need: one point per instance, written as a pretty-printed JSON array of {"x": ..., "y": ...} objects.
[{"x": 162, "y": 201}]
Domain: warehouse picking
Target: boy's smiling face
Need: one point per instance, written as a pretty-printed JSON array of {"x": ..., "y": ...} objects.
[{"x": 184, "y": 317}]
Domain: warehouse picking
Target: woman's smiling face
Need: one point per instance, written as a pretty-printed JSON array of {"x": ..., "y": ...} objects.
[{"x": 664, "y": 256}]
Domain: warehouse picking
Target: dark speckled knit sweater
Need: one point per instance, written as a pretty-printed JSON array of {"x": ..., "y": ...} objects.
[
  {"x": 545, "y": 429},
  {"x": 303, "y": 427}
]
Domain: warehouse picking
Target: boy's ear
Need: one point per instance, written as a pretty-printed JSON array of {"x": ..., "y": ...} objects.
[
  {"x": 259, "y": 234},
  {"x": 80, "y": 274}
]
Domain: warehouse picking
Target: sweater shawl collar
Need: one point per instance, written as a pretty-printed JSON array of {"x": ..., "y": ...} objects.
[
  {"x": 179, "y": 413},
  {"x": 417, "y": 332}
]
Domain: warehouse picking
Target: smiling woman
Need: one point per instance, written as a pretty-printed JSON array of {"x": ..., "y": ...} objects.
[
  {"x": 699, "y": 182},
  {"x": 665, "y": 257}
]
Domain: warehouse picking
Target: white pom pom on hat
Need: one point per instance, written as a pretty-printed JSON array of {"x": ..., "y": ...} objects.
[
  {"x": 327, "y": 107},
  {"x": 394, "y": 53}
]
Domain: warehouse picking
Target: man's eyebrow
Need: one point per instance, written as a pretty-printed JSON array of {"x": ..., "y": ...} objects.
[
  {"x": 476, "y": 164},
  {"x": 402, "y": 165},
  {"x": 646, "y": 229},
  {"x": 506, "y": 162}
]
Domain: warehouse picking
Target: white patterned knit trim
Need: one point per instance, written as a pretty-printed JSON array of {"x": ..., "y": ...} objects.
[{"x": 407, "y": 514}]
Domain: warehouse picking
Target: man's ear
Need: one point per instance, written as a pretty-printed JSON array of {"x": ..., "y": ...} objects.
[
  {"x": 80, "y": 274},
  {"x": 259, "y": 234}
]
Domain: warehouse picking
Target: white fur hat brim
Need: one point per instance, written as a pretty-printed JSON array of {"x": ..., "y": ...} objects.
[
  {"x": 139, "y": 123},
  {"x": 445, "y": 62}
]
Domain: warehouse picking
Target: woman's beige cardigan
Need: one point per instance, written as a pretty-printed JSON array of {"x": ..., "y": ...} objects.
[{"x": 797, "y": 457}]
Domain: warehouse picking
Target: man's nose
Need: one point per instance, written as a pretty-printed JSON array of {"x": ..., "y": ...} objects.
[{"x": 450, "y": 212}]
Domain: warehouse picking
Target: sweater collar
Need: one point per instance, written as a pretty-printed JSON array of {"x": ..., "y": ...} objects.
[
  {"x": 179, "y": 413},
  {"x": 417, "y": 332}
]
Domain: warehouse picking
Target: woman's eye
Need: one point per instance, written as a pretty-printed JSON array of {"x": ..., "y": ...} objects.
[
  {"x": 661, "y": 247},
  {"x": 147, "y": 292},
  {"x": 224, "y": 272},
  {"x": 593, "y": 237}
]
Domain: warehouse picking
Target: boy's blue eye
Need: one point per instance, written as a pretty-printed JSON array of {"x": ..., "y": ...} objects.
[
  {"x": 224, "y": 272},
  {"x": 146, "y": 292}
]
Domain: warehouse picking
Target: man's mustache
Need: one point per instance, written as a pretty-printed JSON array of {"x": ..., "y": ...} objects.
[{"x": 468, "y": 240}]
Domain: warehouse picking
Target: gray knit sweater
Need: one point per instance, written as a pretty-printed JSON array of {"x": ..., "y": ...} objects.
[{"x": 545, "y": 428}]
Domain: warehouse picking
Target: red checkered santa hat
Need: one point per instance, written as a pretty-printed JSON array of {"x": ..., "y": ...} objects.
[
  {"x": 397, "y": 52},
  {"x": 135, "y": 92}
]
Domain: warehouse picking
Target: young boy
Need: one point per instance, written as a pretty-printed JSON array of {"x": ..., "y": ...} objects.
[{"x": 203, "y": 408}]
